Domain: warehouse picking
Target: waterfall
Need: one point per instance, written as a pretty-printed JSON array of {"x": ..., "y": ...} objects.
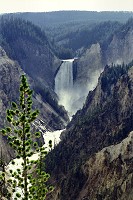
[
  {"x": 64, "y": 84},
  {"x": 64, "y": 78},
  {"x": 71, "y": 94}
]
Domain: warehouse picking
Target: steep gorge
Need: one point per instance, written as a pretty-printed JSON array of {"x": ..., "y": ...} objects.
[
  {"x": 106, "y": 119},
  {"x": 117, "y": 49},
  {"x": 49, "y": 117},
  {"x": 98, "y": 129}
]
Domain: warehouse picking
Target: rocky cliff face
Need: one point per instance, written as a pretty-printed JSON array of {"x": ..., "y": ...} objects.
[
  {"x": 9, "y": 82},
  {"x": 88, "y": 64},
  {"x": 118, "y": 50},
  {"x": 109, "y": 173},
  {"x": 9, "y": 86},
  {"x": 10, "y": 73},
  {"x": 106, "y": 119},
  {"x": 86, "y": 71},
  {"x": 28, "y": 44}
]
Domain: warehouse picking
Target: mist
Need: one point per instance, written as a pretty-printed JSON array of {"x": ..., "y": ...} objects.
[{"x": 71, "y": 94}]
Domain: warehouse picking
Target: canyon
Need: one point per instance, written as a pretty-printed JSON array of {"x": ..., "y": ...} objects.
[{"x": 88, "y": 97}]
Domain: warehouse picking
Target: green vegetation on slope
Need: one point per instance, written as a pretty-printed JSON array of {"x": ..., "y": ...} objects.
[
  {"x": 19, "y": 29},
  {"x": 27, "y": 44},
  {"x": 105, "y": 119}
]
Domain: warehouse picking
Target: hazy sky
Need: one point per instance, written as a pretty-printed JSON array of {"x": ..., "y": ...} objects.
[{"x": 7, "y": 6}]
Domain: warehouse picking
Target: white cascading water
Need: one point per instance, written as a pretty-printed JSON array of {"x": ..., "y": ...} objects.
[
  {"x": 71, "y": 94},
  {"x": 64, "y": 83}
]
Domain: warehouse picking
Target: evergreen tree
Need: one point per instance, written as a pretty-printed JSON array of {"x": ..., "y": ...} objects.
[{"x": 20, "y": 119}]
